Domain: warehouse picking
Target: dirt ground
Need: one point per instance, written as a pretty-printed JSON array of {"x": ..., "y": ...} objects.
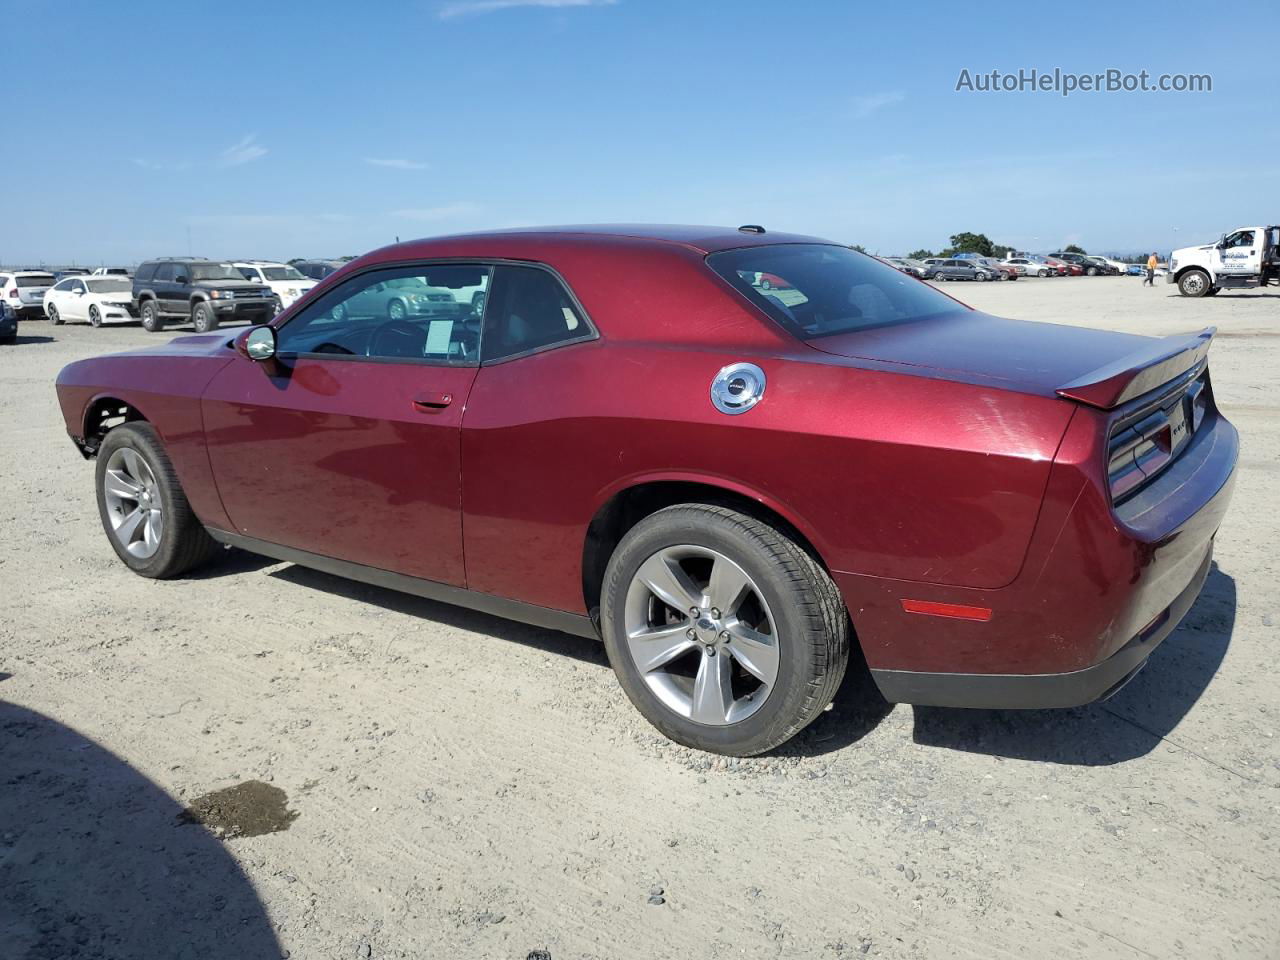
[{"x": 453, "y": 785}]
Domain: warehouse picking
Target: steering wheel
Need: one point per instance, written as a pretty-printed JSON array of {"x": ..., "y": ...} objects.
[{"x": 395, "y": 338}]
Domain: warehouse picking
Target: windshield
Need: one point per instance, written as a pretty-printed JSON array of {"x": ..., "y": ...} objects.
[
  {"x": 818, "y": 290},
  {"x": 109, "y": 285},
  {"x": 214, "y": 271},
  {"x": 282, "y": 273},
  {"x": 39, "y": 280}
]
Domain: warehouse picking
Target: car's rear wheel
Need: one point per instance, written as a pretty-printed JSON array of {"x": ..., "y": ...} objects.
[
  {"x": 1194, "y": 283},
  {"x": 144, "y": 512},
  {"x": 150, "y": 315},
  {"x": 203, "y": 318},
  {"x": 396, "y": 310},
  {"x": 725, "y": 634},
  {"x": 95, "y": 317},
  {"x": 54, "y": 316}
]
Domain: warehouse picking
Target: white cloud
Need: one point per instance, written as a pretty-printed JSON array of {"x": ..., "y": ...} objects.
[
  {"x": 396, "y": 163},
  {"x": 243, "y": 152},
  {"x": 473, "y": 8},
  {"x": 867, "y": 105},
  {"x": 450, "y": 211}
]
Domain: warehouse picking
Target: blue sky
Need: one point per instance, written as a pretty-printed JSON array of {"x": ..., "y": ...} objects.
[{"x": 323, "y": 129}]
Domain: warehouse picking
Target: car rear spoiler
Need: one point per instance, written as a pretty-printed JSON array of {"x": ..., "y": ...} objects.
[{"x": 1138, "y": 373}]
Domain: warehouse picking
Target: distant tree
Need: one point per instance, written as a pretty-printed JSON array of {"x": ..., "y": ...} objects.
[
  {"x": 857, "y": 246},
  {"x": 920, "y": 254},
  {"x": 1073, "y": 248},
  {"x": 972, "y": 243}
]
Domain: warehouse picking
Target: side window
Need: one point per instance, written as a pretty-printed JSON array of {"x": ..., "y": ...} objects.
[
  {"x": 529, "y": 310},
  {"x": 249, "y": 273},
  {"x": 165, "y": 272},
  {"x": 77, "y": 286},
  {"x": 64, "y": 285},
  {"x": 1242, "y": 238},
  {"x": 429, "y": 313}
]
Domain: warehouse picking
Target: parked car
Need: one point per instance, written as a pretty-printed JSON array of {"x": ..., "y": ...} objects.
[
  {"x": 112, "y": 272},
  {"x": 24, "y": 291},
  {"x": 917, "y": 268},
  {"x": 954, "y": 269},
  {"x": 401, "y": 298},
  {"x": 285, "y": 281},
  {"x": 8, "y": 322},
  {"x": 92, "y": 300},
  {"x": 205, "y": 292},
  {"x": 1029, "y": 267},
  {"x": 991, "y": 480},
  {"x": 767, "y": 281},
  {"x": 317, "y": 269},
  {"x": 1088, "y": 265},
  {"x": 1003, "y": 271},
  {"x": 1064, "y": 268},
  {"x": 69, "y": 272}
]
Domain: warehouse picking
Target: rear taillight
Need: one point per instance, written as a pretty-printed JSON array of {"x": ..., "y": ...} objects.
[
  {"x": 1141, "y": 449},
  {"x": 13, "y": 292}
]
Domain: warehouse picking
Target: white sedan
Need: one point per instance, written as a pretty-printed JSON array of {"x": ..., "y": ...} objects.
[
  {"x": 94, "y": 300},
  {"x": 285, "y": 281}
]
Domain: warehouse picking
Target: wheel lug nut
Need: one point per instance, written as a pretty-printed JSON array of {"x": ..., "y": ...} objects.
[
  {"x": 715, "y": 613},
  {"x": 711, "y": 651},
  {"x": 689, "y": 633},
  {"x": 693, "y": 612},
  {"x": 724, "y": 635}
]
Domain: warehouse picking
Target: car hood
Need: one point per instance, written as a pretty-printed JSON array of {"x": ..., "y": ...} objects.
[{"x": 1034, "y": 357}]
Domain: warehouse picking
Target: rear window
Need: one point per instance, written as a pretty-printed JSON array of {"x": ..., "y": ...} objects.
[
  {"x": 818, "y": 290},
  {"x": 110, "y": 285},
  {"x": 39, "y": 280}
]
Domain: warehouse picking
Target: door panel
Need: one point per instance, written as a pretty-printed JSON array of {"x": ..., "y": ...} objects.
[{"x": 334, "y": 457}]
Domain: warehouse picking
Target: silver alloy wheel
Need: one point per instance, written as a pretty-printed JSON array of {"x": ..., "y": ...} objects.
[
  {"x": 701, "y": 635},
  {"x": 134, "y": 508},
  {"x": 395, "y": 310}
]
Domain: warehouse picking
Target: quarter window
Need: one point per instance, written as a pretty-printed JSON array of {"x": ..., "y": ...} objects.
[
  {"x": 427, "y": 313},
  {"x": 530, "y": 310},
  {"x": 166, "y": 272}
]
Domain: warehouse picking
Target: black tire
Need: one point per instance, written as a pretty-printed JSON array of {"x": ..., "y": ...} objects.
[
  {"x": 150, "y": 316},
  {"x": 95, "y": 316},
  {"x": 203, "y": 318},
  {"x": 1194, "y": 283},
  {"x": 812, "y": 625},
  {"x": 54, "y": 316},
  {"x": 1091, "y": 271},
  {"x": 184, "y": 544}
]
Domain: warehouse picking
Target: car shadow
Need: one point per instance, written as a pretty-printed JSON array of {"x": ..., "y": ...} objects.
[
  {"x": 856, "y": 710},
  {"x": 1129, "y": 725},
  {"x": 94, "y": 861},
  {"x": 20, "y": 340},
  {"x": 549, "y": 641}
]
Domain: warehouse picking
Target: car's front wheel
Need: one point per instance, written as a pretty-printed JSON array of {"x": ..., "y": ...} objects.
[
  {"x": 725, "y": 634},
  {"x": 203, "y": 319},
  {"x": 95, "y": 317},
  {"x": 1194, "y": 283},
  {"x": 144, "y": 512}
]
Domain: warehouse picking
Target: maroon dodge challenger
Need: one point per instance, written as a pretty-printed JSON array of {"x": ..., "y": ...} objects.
[{"x": 622, "y": 432}]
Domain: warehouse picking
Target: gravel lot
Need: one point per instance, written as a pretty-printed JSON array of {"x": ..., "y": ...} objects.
[{"x": 468, "y": 787}]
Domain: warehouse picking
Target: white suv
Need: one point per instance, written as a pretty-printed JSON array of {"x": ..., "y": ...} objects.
[
  {"x": 24, "y": 291},
  {"x": 285, "y": 281}
]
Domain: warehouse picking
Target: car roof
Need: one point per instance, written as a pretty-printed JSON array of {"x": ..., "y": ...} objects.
[{"x": 704, "y": 239}]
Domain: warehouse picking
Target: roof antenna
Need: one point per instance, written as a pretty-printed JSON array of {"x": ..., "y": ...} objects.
[{"x": 751, "y": 228}]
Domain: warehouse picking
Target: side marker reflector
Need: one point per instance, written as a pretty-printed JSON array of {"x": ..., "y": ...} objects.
[{"x": 956, "y": 611}]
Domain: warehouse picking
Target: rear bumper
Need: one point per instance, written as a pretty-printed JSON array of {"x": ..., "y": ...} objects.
[
  {"x": 1035, "y": 691},
  {"x": 29, "y": 310},
  {"x": 1100, "y": 588}
]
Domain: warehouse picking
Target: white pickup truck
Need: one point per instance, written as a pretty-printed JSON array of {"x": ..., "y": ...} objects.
[{"x": 1245, "y": 257}]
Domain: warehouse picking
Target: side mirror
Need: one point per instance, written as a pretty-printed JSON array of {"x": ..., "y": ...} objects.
[{"x": 257, "y": 343}]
